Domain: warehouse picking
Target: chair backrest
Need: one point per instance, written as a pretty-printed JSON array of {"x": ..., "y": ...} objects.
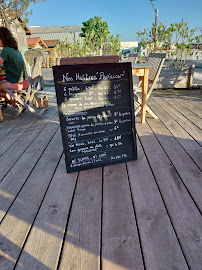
[
  {"x": 36, "y": 69},
  {"x": 89, "y": 60},
  {"x": 156, "y": 60},
  {"x": 27, "y": 65},
  {"x": 36, "y": 74},
  {"x": 133, "y": 57}
]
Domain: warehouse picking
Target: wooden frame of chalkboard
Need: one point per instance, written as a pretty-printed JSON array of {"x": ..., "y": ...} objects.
[{"x": 96, "y": 111}]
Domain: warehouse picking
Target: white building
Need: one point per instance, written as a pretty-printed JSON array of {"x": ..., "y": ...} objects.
[{"x": 129, "y": 44}]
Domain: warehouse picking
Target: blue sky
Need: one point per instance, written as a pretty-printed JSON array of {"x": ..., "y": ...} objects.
[{"x": 124, "y": 17}]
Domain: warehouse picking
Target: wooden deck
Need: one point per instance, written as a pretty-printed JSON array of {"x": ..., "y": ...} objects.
[{"x": 144, "y": 214}]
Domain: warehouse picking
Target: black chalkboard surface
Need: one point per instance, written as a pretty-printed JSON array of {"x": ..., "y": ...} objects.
[{"x": 96, "y": 111}]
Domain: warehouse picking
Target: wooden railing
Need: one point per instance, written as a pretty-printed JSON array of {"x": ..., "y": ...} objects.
[{"x": 49, "y": 62}]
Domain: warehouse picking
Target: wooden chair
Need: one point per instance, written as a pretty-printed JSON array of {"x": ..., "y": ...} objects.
[
  {"x": 25, "y": 97},
  {"x": 133, "y": 57},
  {"x": 156, "y": 60},
  {"x": 36, "y": 74}
]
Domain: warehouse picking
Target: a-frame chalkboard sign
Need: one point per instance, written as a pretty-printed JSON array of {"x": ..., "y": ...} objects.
[{"x": 95, "y": 104}]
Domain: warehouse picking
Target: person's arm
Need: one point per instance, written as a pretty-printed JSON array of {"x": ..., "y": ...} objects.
[{"x": 1, "y": 61}]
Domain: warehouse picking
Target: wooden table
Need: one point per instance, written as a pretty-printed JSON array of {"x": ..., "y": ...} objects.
[
  {"x": 141, "y": 70},
  {"x": 1, "y": 116},
  {"x": 2, "y": 73}
]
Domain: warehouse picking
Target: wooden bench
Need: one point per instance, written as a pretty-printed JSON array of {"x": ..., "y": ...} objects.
[{"x": 89, "y": 60}]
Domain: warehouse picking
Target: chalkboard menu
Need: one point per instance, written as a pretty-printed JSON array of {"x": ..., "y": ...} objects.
[{"x": 95, "y": 104}]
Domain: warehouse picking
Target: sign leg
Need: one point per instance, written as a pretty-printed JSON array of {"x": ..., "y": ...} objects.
[
  {"x": 1, "y": 116},
  {"x": 144, "y": 95}
]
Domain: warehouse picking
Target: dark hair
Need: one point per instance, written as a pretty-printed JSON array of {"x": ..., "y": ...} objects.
[{"x": 7, "y": 38}]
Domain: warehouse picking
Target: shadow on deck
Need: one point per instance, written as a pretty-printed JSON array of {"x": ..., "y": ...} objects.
[{"x": 144, "y": 214}]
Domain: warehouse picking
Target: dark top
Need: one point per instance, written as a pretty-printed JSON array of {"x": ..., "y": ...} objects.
[{"x": 14, "y": 65}]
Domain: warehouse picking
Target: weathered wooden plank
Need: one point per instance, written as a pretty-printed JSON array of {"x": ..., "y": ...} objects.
[
  {"x": 44, "y": 244},
  {"x": 11, "y": 156},
  {"x": 193, "y": 130},
  {"x": 9, "y": 124},
  {"x": 184, "y": 215},
  {"x": 190, "y": 174},
  {"x": 181, "y": 135},
  {"x": 43, "y": 241},
  {"x": 5, "y": 121},
  {"x": 185, "y": 111},
  {"x": 16, "y": 133},
  {"x": 191, "y": 95},
  {"x": 16, "y": 225},
  {"x": 160, "y": 246},
  {"x": 189, "y": 104},
  {"x": 195, "y": 101},
  {"x": 24, "y": 165},
  {"x": 82, "y": 242},
  {"x": 188, "y": 98},
  {"x": 120, "y": 242},
  {"x": 7, "y": 115}
]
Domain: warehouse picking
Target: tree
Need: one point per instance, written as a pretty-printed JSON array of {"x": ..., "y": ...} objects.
[
  {"x": 32, "y": 53},
  {"x": 112, "y": 46},
  {"x": 96, "y": 41},
  {"x": 176, "y": 39},
  {"x": 66, "y": 49},
  {"x": 147, "y": 37},
  {"x": 95, "y": 32},
  {"x": 10, "y": 10}
]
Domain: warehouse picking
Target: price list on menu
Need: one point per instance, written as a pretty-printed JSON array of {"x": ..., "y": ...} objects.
[{"x": 95, "y": 104}]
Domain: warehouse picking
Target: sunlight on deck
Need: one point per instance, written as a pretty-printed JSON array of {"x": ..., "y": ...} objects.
[
  {"x": 8, "y": 196},
  {"x": 4, "y": 255},
  {"x": 107, "y": 264}
]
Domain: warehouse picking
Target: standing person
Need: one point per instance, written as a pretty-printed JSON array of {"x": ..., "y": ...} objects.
[{"x": 11, "y": 58}]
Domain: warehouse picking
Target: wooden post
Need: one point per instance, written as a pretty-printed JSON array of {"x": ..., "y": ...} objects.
[
  {"x": 155, "y": 41},
  {"x": 190, "y": 77},
  {"x": 1, "y": 116},
  {"x": 47, "y": 60},
  {"x": 144, "y": 95}
]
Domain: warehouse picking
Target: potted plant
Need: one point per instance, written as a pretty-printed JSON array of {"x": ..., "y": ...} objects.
[{"x": 176, "y": 40}]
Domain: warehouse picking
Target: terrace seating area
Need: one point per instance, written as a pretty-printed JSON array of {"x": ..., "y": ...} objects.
[{"x": 143, "y": 214}]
